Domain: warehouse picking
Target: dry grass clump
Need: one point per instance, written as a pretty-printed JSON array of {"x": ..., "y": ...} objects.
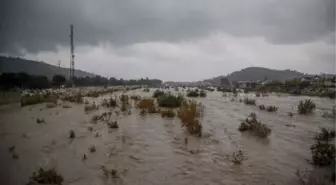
[
  {"x": 238, "y": 157},
  {"x": 306, "y": 107},
  {"x": 42, "y": 176},
  {"x": 189, "y": 114},
  {"x": 168, "y": 113},
  {"x": 158, "y": 93},
  {"x": 170, "y": 101},
  {"x": 252, "y": 124},
  {"x": 37, "y": 98},
  {"x": 146, "y": 103},
  {"x": 248, "y": 101}
]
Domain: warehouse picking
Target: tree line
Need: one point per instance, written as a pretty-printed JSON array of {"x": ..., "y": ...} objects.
[{"x": 26, "y": 81}]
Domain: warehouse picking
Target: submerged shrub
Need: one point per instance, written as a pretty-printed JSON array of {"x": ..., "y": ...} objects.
[
  {"x": 92, "y": 107},
  {"x": 36, "y": 99},
  {"x": 111, "y": 102},
  {"x": 66, "y": 106},
  {"x": 170, "y": 101},
  {"x": 113, "y": 124},
  {"x": 135, "y": 98},
  {"x": 252, "y": 124},
  {"x": 38, "y": 120},
  {"x": 189, "y": 114},
  {"x": 193, "y": 93},
  {"x": 202, "y": 93},
  {"x": 146, "y": 90},
  {"x": 325, "y": 135},
  {"x": 249, "y": 101},
  {"x": 323, "y": 153},
  {"x": 92, "y": 149},
  {"x": 143, "y": 112},
  {"x": 51, "y": 105},
  {"x": 167, "y": 113},
  {"x": 271, "y": 108},
  {"x": 43, "y": 176},
  {"x": 72, "y": 134},
  {"x": 257, "y": 94},
  {"x": 124, "y": 99},
  {"x": 76, "y": 98},
  {"x": 262, "y": 107},
  {"x": 238, "y": 157},
  {"x": 306, "y": 107},
  {"x": 109, "y": 172},
  {"x": 158, "y": 93}
]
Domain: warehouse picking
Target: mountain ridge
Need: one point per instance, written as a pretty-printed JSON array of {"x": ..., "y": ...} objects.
[{"x": 16, "y": 65}]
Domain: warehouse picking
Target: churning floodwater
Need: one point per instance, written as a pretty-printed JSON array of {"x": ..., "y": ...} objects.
[{"x": 152, "y": 150}]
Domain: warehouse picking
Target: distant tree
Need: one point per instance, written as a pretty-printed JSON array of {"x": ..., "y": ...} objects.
[{"x": 58, "y": 80}]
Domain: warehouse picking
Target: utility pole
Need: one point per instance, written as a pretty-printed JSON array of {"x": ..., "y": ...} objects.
[{"x": 72, "y": 55}]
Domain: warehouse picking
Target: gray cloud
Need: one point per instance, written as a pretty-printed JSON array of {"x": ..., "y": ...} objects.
[{"x": 37, "y": 25}]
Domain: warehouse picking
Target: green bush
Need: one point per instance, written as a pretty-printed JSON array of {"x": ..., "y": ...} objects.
[
  {"x": 306, "y": 107},
  {"x": 170, "y": 101}
]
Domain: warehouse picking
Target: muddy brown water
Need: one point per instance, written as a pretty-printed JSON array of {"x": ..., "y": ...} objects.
[{"x": 152, "y": 150}]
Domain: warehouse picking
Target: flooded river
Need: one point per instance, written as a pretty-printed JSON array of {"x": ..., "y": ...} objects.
[{"x": 153, "y": 150}]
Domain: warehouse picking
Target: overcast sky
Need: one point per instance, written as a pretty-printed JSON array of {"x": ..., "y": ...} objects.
[{"x": 172, "y": 39}]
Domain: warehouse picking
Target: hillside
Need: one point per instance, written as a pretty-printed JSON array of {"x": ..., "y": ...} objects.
[
  {"x": 257, "y": 73},
  {"x": 15, "y": 65}
]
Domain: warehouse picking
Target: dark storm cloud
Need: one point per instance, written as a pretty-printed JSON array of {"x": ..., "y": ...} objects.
[{"x": 37, "y": 25}]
